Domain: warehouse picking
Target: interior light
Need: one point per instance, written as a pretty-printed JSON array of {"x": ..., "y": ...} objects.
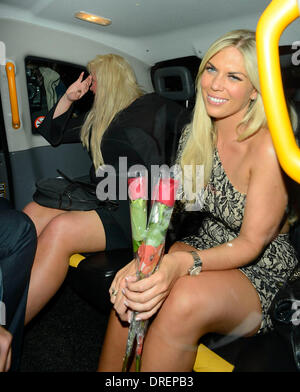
[{"x": 86, "y": 16}]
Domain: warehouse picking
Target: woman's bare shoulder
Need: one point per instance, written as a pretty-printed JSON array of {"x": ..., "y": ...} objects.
[{"x": 262, "y": 148}]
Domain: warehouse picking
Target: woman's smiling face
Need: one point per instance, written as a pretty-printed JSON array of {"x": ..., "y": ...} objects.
[{"x": 226, "y": 88}]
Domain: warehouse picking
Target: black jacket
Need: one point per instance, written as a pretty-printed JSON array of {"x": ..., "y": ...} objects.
[{"x": 146, "y": 132}]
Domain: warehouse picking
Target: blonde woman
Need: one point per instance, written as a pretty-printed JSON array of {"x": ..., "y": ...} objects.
[
  {"x": 223, "y": 278},
  {"x": 123, "y": 122}
]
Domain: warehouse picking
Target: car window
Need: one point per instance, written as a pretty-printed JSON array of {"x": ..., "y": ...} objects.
[{"x": 47, "y": 81}]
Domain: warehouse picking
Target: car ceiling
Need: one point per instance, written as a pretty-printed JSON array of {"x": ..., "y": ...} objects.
[{"x": 152, "y": 30}]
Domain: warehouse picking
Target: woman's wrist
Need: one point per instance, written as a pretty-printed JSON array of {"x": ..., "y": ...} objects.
[
  {"x": 181, "y": 262},
  {"x": 63, "y": 105},
  {"x": 67, "y": 99}
]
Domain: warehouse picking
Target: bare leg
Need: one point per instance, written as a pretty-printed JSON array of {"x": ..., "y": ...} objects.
[
  {"x": 222, "y": 301},
  {"x": 66, "y": 234},
  {"x": 40, "y": 215},
  {"x": 215, "y": 301},
  {"x": 113, "y": 350}
]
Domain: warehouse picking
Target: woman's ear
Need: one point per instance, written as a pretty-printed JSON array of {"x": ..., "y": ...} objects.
[{"x": 253, "y": 96}]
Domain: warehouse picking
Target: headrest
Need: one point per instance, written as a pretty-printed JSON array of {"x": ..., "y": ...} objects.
[{"x": 174, "y": 83}]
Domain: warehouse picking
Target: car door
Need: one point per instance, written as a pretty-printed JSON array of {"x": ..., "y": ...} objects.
[{"x": 24, "y": 155}]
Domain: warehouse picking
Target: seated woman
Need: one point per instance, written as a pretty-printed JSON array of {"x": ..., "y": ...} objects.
[
  {"x": 123, "y": 122},
  {"x": 242, "y": 247}
]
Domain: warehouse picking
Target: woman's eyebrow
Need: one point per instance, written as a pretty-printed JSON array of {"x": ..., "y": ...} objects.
[{"x": 230, "y": 73}]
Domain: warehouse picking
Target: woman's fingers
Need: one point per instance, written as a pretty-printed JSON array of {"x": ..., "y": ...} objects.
[
  {"x": 143, "y": 303},
  {"x": 80, "y": 77},
  {"x": 146, "y": 315},
  {"x": 79, "y": 87},
  {"x": 119, "y": 283},
  {"x": 144, "y": 296},
  {"x": 86, "y": 84}
]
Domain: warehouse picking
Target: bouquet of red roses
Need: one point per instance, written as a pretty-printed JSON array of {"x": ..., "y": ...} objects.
[{"x": 148, "y": 243}]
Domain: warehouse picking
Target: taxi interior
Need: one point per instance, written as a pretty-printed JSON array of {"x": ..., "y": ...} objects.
[{"x": 49, "y": 47}]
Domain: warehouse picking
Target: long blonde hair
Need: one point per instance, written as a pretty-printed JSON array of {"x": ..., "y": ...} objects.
[
  {"x": 199, "y": 147},
  {"x": 117, "y": 88}
]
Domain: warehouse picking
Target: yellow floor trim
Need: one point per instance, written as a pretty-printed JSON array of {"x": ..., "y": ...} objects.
[
  {"x": 76, "y": 259},
  {"x": 208, "y": 361}
]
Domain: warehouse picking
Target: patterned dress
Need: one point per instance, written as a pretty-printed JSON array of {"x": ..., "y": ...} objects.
[{"x": 223, "y": 211}]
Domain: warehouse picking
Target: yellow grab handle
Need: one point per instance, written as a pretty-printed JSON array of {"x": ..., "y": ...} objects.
[
  {"x": 277, "y": 16},
  {"x": 10, "y": 72}
]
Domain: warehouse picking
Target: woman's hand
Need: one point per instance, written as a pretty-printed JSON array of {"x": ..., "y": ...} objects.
[
  {"x": 79, "y": 88},
  {"x": 118, "y": 285},
  {"x": 145, "y": 296},
  {"x": 76, "y": 91}
]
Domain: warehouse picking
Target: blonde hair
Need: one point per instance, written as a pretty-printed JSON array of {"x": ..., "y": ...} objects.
[
  {"x": 202, "y": 132},
  {"x": 117, "y": 88}
]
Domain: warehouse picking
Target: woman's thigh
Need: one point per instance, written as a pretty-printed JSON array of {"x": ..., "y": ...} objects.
[
  {"x": 214, "y": 301},
  {"x": 76, "y": 231}
]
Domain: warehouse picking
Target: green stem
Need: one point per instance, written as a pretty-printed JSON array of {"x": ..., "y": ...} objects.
[
  {"x": 138, "y": 363},
  {"x": 125, "y": 363}
]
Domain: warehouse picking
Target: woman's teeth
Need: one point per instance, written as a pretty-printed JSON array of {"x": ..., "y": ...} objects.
[{"x": 216, "y": 100}]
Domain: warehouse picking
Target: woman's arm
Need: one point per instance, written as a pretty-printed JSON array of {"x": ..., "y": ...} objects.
[
  {"x": 59, "y": 126},
  {"x": 264, "y": 212}
]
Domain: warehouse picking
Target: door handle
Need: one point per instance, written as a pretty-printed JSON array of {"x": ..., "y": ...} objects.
[{"x": 10, "y": 72}]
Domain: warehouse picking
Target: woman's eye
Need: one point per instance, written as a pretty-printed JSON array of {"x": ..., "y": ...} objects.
[
  {"x": 234, "y": 77},
  {"x": 209, "y": 68}
]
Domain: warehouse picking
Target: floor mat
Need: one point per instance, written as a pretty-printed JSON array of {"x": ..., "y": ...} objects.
[{"x": 65, "y": 337}]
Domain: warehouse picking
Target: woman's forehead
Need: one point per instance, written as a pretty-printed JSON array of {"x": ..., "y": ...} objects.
[{"x": 229, "y": 58}]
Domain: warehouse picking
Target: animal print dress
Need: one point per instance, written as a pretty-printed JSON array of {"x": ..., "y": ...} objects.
[{"x": 223, "y": 210}]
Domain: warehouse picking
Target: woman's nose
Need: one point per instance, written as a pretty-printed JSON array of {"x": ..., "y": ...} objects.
[{"x": 217, "y": 83}]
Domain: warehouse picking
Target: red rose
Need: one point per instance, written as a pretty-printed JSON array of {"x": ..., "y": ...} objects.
[
  {"x": 137, "y": 188},
  {"x": 149, "y": 257},
  {"x": 166, "y": 193}
]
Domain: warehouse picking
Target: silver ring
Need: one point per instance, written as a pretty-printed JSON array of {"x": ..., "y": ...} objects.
[{"x": 114, "y": 292}]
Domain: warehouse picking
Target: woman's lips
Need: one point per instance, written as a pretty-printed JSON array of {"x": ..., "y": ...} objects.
[{"x": 216, "y": 100}]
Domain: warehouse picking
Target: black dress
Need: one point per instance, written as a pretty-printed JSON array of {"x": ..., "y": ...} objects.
[{"x": 145, "y": 133}]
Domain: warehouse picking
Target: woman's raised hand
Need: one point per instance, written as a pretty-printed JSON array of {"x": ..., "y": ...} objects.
[{"x": 79, "y": 88}]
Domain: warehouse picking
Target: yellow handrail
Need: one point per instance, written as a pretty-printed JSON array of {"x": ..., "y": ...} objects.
[
  {"x": 10, "y": 72},
  {"x": 276, "y": 17}
]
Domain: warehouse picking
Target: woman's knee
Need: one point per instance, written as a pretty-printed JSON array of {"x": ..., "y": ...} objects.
[
  {"x": 195, "y": 306},
  {"x": 41, "y": 216},
  {"x": 58, "y": 228},
  {"x": 182, "y": 303}
]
